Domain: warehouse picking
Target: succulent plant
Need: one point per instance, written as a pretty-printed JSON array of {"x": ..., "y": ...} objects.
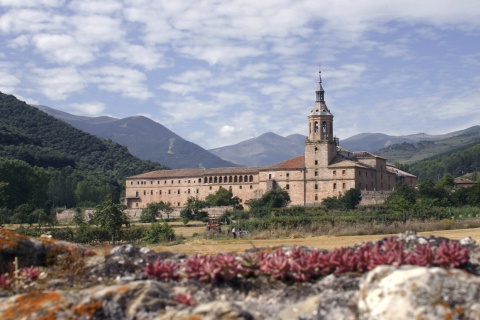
[
  {"x": 162, "y": 270},
  {"x": 4, "y": 281}
]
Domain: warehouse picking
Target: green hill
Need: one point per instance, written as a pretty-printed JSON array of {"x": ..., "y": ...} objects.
[
  {"x": 407, "y": 152},
  {"x": 457, "y": 162},
  {"x": 67, "y": 153}
]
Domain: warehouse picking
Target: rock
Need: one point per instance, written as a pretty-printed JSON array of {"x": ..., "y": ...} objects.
[
  {"x": 35, "y": 252},
  {"x": 419, "y": 293}
]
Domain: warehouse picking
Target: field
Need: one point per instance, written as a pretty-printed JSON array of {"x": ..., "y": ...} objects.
[{"x": 208, "y": 246}]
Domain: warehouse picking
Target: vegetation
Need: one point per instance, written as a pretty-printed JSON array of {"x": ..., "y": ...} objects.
[
  {"x": 110, "y": 216},
  {"x": 159, "y": 233},
  {"x": 348, "y": 201},
  {"x": 273, "y": 199},
  {"x": 222, "y": 197},
  {"x": 47, "y": 163},
  {"x": 153, "y": 211}
]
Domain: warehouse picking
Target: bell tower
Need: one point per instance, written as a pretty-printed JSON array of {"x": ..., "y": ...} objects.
[{"x": 321, "y": 145}]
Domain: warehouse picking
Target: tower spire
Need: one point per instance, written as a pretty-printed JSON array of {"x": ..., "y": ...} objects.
[{"x": 320, "y": 92}]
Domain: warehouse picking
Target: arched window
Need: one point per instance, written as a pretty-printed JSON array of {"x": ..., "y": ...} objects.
[
  {"x": 316, "y": 127},
  {"x": 215, "y": 180},
  {"x": 220, "y": 180},
  {"x": 210, "y": 180},
  {"x": 205, "y": 180},
  {"x": 235, "y": 179},
  {"x": 324, "y": 127},
  {"x": 230, "y": 179},
  {"x": 240, "y": 179},
  {"x": 251, "y": 178}
]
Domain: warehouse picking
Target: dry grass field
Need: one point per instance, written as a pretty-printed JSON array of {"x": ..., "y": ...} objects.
[{"x": 207, "y": 246}]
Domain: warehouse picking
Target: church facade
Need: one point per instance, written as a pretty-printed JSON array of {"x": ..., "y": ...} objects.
[{"x": 325, "y": 170}]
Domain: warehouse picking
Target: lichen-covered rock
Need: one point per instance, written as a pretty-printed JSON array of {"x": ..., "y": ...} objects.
[
  {"x": 419, "y": 293},
  {"x": 35, "y": 251}
]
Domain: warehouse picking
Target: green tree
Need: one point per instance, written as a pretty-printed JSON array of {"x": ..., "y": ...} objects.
[
  {"x": 193, "y": 209},
  {"x": 152, "y": 211},
  {"x": 447, "y": 181},
  {"x": 110, "y": 216},
  {"x": 79, "y": 217},
  {"x": 398, "y": 204},
  {"x": 222, "y": 197},
  {"x": 351, "y": 199},
  {"x": 22, "y": 214},
  {"x": 332, "y": 203},
  {"x": 405, "y": 191},
  {"x": 4, "y": 216},
  {"x": 159, "y": 233},
  {"x": 275, "y": 198}
]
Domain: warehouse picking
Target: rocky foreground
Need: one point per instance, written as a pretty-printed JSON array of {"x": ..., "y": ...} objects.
[{"x": 404, "y": 277}]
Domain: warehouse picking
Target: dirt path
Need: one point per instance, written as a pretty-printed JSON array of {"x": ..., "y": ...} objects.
[{"x": 324, "y": 242}]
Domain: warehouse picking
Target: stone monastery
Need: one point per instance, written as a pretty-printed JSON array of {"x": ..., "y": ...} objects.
[{"x": 325, "y": 170}]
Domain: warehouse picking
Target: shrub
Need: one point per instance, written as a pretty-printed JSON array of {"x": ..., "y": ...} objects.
[{"x": 159, "y": 233}]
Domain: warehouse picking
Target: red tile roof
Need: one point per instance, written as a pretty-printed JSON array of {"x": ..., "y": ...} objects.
[{"x": 295, "y": 163}]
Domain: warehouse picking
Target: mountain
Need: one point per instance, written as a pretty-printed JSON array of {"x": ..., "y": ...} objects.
[
  {"x": 408, "y": 152},
  {"x": 373, "y": 142},
  {"x": 41, "y": 140},
  {"x": 145, "y": 139},
  {"x": 457, "y": 162},
  {"x": 264, "y": 150}
]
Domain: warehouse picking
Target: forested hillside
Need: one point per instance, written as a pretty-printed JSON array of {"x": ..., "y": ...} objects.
[
  {"x": 457, "y": 162},
  {"x": 80, "y": 168}
]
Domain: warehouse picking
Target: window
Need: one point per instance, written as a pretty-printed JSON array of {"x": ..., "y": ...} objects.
[
  {"x": 344, "y": 172},
  {"x": 316, "y": 149},
  {"x": 269, "y": 176},
  {"x": 334, "y": 172},
  {"x": 287, "y": 187},
  {"x": 151, "y": 182},
  {"x": 210, "y": 187},
  {"x": 316, "y": 186},
  {"x": 334, "y": 186},
  {"x": 144, "y": 192},
  {"x": 158, "y": 182},
  {"x": 316, "y": 126},
  {"x": 172, "y": 181},
  {"x": 198, "y": 190},
  {"x": 178, "y": 181},
  {"x": 288, "y": 175},
  {"x": 188, "y": 181},
  {"x": 160, "y": 192},
  {"x": 251, "y": 187},
  {"x": 188, "y": 191},
  {"x": 136, "y": 194},
  {"x": 168, "y": 191},
  {"x": 343, "y": 185},
  {"x": 151, "y": 192},
  {"x": 136, "y": 204},
  {"x": 178, "y": 191},
  {"x": 131, "y": 182},
  {"x": 316, "y": 162},
  {"x": 165, "y": 182},
  {"x": 316, "y": 173},
  {"x": 178, "y": 204},
  {"x": 316, "y": 197},
  {"x": 240, "y": 187}
]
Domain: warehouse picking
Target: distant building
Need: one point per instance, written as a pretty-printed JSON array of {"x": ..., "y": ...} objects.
[
  {"x": 464, "y": 183},
  {"x": 325, "y": 170}
]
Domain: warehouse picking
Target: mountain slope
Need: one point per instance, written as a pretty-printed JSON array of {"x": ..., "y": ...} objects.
[
  {"x": 145, "y": 139},
  {"x": 39, "y": 139},
  {"x": 457, "y": 162},
  {"x": 373, "y": 142},
  {"x": 266, "y": 149},
  {"x": 411, "y": 152}
]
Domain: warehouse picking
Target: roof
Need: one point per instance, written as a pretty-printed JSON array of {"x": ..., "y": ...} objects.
[
  {"x": 341, "y": 162},
  {"x": 463, "y": 181},
  {"x": 366, "y": 154},
  {"x": 399, "y": 172},
  {"x": 184, "y": 173},
  {"x": 295, "y": 163}
]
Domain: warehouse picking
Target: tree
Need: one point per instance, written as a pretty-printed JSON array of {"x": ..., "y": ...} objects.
[
  {"x": 151, "y": 212},
  {"x": 79, "y": 217},
  {"x": 275, "y": 198},
  {"x": 351, "y": 198},
  {"x": 193, "y": 209},
  {"x": 110, "y": 216},
  {"x": 222, "y": 197},
  {"x": 406, "y": 191},
  {"x": 159, "y": 232},
  {"x": 447, "y": 181},
  {"x": 332, "y": 203}
]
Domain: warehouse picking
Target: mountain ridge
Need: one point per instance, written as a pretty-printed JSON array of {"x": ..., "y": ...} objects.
[{"x": 145, "y": 139}]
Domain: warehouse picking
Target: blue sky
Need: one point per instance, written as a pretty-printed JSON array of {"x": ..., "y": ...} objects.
[{"x": 220, "y": 72}]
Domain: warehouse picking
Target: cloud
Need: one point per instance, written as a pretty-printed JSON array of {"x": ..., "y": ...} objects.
[
  {"x": 90, "y": 109},
  {"x": 95, "y": 7},
  {"x": 146, "y": 57},
  {"x": 62, "y": 49},
  {"x": 58, "y": 83},
  {"x": 226, "y": 131},
  {"x": 127, "y": 81},
  {"x": 31, "y": 3},
  {"x": 8, "y": 81}
]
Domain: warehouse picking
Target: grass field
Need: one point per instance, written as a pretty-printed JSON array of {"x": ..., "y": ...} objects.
[{"x": 208, "y": 246}]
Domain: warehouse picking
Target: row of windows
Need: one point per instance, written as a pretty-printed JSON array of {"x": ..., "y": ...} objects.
[
  {"x": 219, "y": 179},
  {"x": 145, "y": 192}
]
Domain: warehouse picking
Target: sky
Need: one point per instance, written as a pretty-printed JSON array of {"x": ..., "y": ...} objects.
[{"x": 219, "y": 72}]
